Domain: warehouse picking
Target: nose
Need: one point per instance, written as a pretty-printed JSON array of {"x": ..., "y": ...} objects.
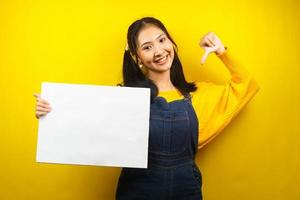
[{"x": 158, "y": 50}]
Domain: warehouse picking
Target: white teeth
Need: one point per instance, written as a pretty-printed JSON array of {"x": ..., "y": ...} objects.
[{"x": 161, "y": 60}]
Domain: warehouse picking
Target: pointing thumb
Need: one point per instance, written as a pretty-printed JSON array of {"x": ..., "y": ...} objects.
[{"x": 204, "y": 57}]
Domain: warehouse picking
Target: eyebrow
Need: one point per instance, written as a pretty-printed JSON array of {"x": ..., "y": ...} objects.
[{"x": 155, "y": 39}]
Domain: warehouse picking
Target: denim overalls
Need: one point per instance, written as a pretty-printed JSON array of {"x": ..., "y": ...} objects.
[{"x": 172, "y": 173}]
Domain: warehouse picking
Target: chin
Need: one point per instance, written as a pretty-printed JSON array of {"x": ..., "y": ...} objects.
[{"x": 161, "y": 70}]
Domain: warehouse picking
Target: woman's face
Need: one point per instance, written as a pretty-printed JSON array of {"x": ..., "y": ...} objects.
[{"x": 154, "y": 49}]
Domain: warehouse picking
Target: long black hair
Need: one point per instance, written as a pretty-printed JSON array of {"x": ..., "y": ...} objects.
[{"x": 133, "y": 75}]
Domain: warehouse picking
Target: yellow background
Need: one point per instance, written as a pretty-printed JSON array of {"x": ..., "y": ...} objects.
[{"x": 255, "y": 157}]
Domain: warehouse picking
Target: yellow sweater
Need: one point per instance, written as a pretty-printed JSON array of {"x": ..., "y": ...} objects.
[{"x": 216, "y": 105}]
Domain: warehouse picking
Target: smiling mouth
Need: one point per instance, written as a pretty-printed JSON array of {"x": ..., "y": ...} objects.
[{"x": 161, "y": 60}]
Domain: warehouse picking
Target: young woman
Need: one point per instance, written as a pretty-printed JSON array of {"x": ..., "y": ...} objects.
[{"x": 184, "y": 116}]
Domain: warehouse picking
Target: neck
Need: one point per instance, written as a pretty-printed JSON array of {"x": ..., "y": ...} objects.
[{"x": 162, "y": 80}]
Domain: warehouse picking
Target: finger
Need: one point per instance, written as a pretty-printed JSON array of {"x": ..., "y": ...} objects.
[
  {"x": 39, "y": 114},
  {"x": 201, "y": 43},
  {"x": 204, "y": 42},
  {"x": 41, "y": 104},
  {"x": 211, "y": 41},
  {"x": 208, "y": 50},
  {"x": 43, "y": 109},
  {"x": 36, "y": 95},
  {"x": 43, "y": 101},
  {"x": 204, "y": 57},
  {"x": 212, "y": 35}
]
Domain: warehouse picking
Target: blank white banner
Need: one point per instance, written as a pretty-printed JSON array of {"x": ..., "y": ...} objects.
[{"x": 94, "y": 125}]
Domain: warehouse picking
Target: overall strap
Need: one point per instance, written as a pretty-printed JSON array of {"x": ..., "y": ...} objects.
[{"x": 187, "y": 97}]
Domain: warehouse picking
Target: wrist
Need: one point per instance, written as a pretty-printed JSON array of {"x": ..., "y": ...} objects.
[{"x": 220, "y": 51}]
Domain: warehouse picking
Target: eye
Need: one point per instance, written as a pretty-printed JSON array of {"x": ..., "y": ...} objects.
[
  {"x": 147, "y": 47},
  {"x": 162, "y": 39}
]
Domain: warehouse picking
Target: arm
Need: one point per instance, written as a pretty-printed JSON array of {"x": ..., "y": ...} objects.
[{"x": 217, "y": 105}]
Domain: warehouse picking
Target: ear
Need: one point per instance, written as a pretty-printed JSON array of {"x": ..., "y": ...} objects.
[{"x": 139, "y": 61}]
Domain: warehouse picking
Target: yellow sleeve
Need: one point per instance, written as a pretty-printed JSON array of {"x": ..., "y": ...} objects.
[{"x": 216, "y": 105}]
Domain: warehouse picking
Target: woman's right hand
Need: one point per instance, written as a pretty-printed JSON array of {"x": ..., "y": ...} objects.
[{"x": 42, "y": 106}]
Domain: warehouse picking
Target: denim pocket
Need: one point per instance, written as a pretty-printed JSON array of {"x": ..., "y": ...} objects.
[{"x": 169, "y": 132}]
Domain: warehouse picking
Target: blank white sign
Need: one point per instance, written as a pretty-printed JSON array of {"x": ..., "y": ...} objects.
[{"x": 94, "y": 125}]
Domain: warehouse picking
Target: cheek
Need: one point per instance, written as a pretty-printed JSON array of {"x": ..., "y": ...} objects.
[
  {"x": 146, "y": 59},
  {"x": 171, "y": 49}
]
